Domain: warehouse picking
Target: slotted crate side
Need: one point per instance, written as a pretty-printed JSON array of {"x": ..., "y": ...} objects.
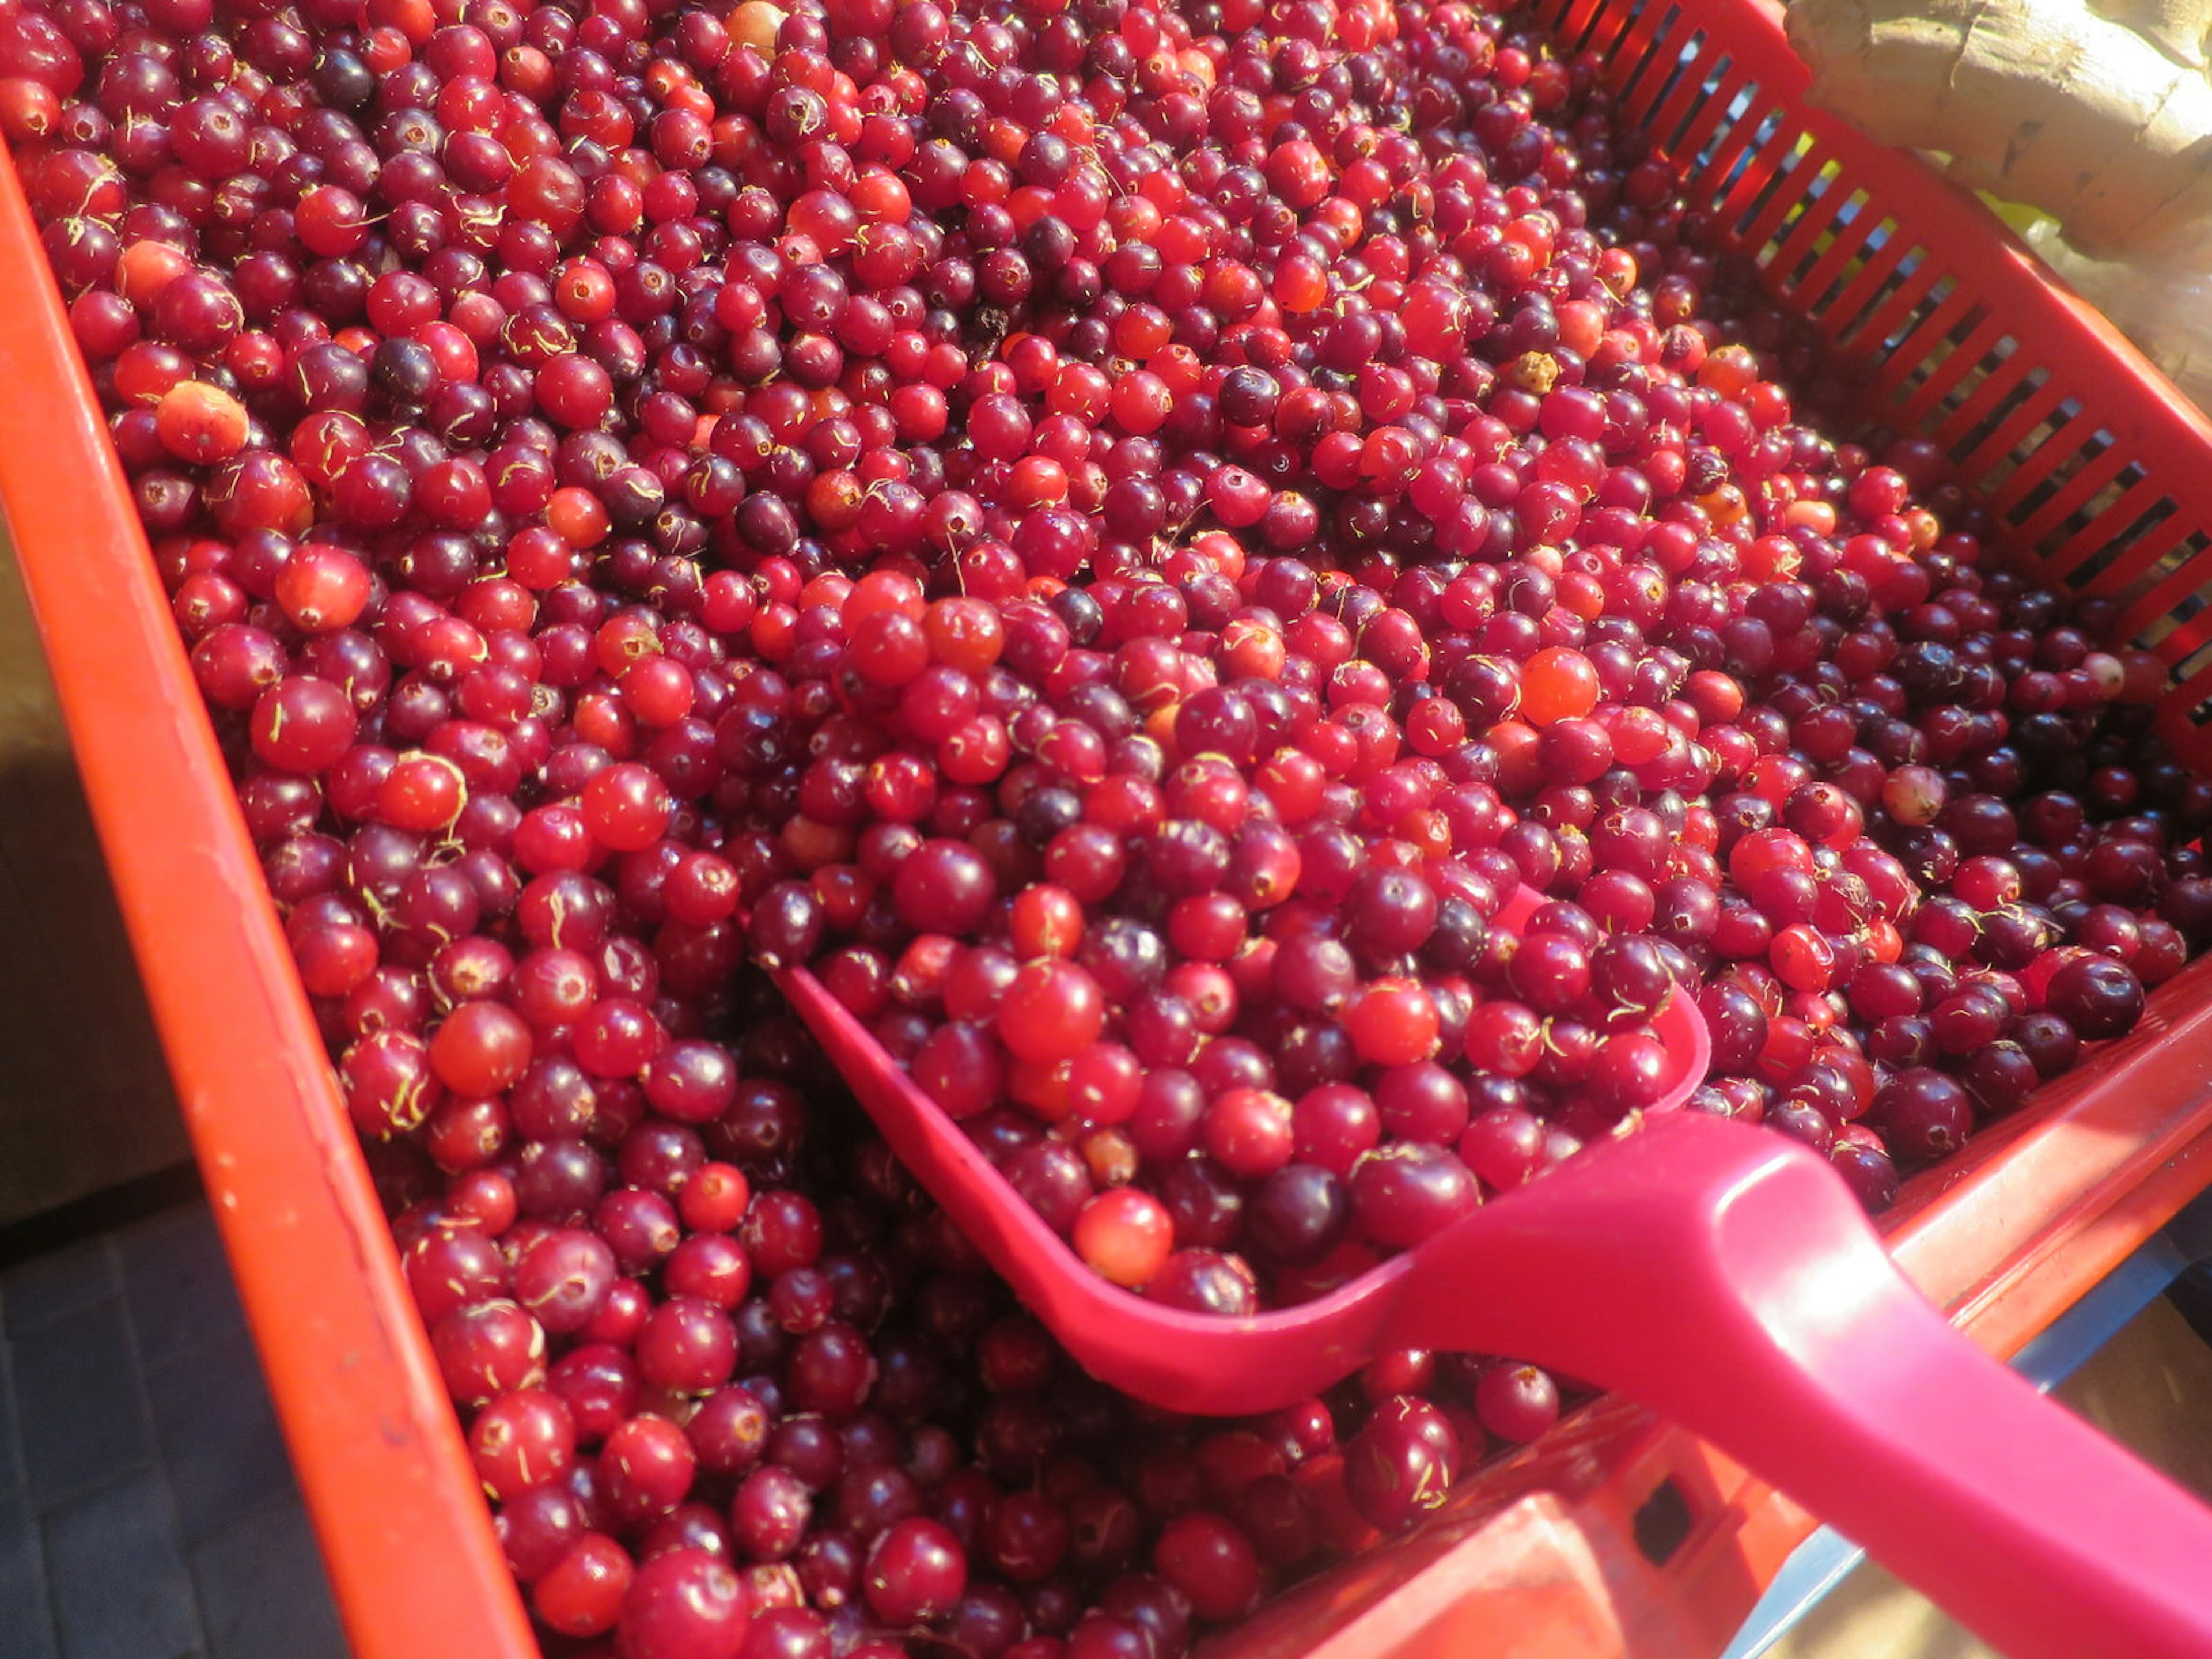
[{"x": 2097, "y": 478}]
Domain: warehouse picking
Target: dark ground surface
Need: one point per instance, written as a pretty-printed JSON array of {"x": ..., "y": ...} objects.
[{"x": 147, "y": 1510}]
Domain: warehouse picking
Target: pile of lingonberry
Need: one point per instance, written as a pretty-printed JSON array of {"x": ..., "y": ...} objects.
[{"x": 1122, "y": 536}]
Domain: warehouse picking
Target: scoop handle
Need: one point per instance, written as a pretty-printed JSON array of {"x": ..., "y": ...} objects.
[{"x": 1740, "y": 1290}]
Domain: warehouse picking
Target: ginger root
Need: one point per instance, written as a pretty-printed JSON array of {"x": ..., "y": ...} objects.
[{"x": 2103, "y": 120}]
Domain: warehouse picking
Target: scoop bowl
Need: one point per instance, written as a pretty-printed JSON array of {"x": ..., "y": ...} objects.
[{"x": 1718, "y": 1273}]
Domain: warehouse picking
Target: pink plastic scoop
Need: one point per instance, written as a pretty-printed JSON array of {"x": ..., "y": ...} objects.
[{"x": 1719, "y": 1274}]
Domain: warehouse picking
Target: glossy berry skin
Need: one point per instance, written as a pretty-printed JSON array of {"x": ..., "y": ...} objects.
[
  {"x": 688, "y": 1347},
  {"x": 1400, "y": 1465},
  {"x": 1053, "y": 1010},
  {"x": 2097, "y": 997},
  {"x": 488, "y": 1349},
  {"x": 682, "y": 1605},
  {"x": 1124, "y": 1236},
  {"x": 646, "y": 1467},
  {"x": 1405, "y": 1193},
  {"x": 1393, "y": 1023},
  {"x": 1516, "y": 1403},
  {"x": 626, "y": 807},
  {"x": 564, "y": 1279},
  {"x": 520, "y": 1441},
  {"x": 584, "y": 1593},
  {"x": 1205, "y": 1281},
  {"x": 200, "y": 423},
  {"x": 729, "y": 1431},
  {"x": 914, "y": 1574},
  {"x": 1209, "y": 1559},
  {"x": 1924, "y": 1115},
  {"x": 481, "y": 1049},
  {"x": 943, "y": 887},
  {"x": 302, "y": 725}
]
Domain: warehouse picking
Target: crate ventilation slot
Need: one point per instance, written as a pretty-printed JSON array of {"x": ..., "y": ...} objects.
[
  {"x": 2011, "y": 400},
  {"x": 2056, "y": 474},
  {"x": 2159, "y": 603},
  {"x": 1662, "y": 1523},
  {"x": 1659, "y": 68},
  {"x": 2098, "y": 548}
]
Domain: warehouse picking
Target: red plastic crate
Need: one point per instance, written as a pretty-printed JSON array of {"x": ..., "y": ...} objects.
[{"x": 2103, "y": 475}]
